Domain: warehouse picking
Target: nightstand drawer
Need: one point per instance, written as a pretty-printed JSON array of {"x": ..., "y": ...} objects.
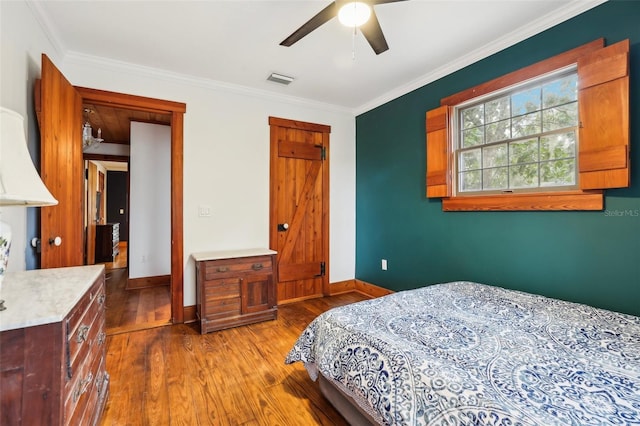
[
  {"x": 225, "y": 287},
  {"x": 217, "y": 268},
  {"x": 222, "y": 308}
]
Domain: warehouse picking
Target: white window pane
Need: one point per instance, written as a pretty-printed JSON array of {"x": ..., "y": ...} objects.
[
  {"x": 558, "y": 172},
  {"x": 498, "y": 109},
  {"x": 470, "y": 181},
  {"x": 560, "y": 117},
  {"x": 473, "y": 117},
  {"x": 526, "y": 101},
  {"x": 470, "y": 160},
  {"x": 526, "y": 125},
  {"x": 472, "y": 137},
  {"x": 523, "y": 176},
  {"x": 494, "y": 156},
  {"x": 498, "y": 131},
  {"x": 523, "y": 152},
  {"x": 495, "y": 178},
  {"x": 556, "y": 147},
  {"x": 560, "y": 91}
]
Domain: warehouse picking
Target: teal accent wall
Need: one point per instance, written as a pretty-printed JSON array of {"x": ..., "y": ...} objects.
[{"x": 587, "y": 257}]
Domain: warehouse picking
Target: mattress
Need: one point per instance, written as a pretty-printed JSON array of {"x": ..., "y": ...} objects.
[{"x": 464, "y": 353}]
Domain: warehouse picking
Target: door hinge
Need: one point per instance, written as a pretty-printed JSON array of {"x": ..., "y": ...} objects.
[
  {"x": 323, "y": 152},
  {"x": 323, "y": 270}
]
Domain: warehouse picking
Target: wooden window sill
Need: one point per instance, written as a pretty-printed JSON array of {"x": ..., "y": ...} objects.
[{"x": 551, "y": 201}]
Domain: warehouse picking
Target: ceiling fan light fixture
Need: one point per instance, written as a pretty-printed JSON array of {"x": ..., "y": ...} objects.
[{"x": 354, "y": 14}]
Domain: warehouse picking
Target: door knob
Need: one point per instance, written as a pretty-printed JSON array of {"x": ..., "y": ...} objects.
[
  {"x": 55, "y": 241},
  {"x": 283, "y": 227}
]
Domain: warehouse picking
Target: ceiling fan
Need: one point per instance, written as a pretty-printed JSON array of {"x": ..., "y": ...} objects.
[{"x": 370, "y": 28}]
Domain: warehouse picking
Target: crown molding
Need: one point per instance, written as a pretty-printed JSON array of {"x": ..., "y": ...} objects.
[
  {"x": 83, "y": 59},
  {"x": 120, "y": 66},
  {"x": 572, "y": 9},
  {"x": 48, "y": 28}
]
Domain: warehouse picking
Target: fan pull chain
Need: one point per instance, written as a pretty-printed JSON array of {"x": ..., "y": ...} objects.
[{"x": 353, "y": 44}]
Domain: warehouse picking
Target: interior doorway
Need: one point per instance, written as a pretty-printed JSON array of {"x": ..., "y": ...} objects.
[
  {"x": 131, "y": 303},
  {"x": 59, "y": 107}
]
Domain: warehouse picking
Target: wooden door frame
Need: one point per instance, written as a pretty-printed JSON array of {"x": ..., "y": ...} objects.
[
  {"x": 273, "y": 221},
  {"x": 176, "y": 110}
]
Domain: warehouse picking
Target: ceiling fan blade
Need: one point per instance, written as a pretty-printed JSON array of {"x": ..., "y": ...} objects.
[
  {"x": 373, "y": 33},
  {"x": 320, "y": 18}
]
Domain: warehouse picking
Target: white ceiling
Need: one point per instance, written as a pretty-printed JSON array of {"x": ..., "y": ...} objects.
[{"x": 235, "y": 43}]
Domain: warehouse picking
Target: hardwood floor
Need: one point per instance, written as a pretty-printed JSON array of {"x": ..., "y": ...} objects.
[
  {"x": 176, "y": 376},
  {"x": 129, "y": 310},
  {"x": 121, "y": 259}
]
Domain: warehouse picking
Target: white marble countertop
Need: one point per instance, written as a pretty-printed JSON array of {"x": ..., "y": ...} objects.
[
  {"x": 43, "y": 296},
  {"x": 231, "y": 254}
]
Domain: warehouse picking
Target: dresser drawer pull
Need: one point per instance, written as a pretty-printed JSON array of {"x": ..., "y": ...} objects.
[
  {"x": 101, "y": 299},
  {"x": 99, "y": 380},
  {"x": 82, "y": 387},
  {"x": 101, "y": 338},
  {"x": 68, "y": 352},
  {"x": 82, "y": 333},
  {"x": 223, "y": 269},
  {"x": 257, "y": 266}
]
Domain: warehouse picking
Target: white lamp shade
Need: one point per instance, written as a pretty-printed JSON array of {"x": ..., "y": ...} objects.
[{"x": 20, "y": 183}]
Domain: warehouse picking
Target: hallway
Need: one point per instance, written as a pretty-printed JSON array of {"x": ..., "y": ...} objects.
[{"x": 138, "y": 309}]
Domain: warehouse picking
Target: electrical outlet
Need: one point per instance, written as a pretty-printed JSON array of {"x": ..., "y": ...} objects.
[
  {"x": 204, "y": 211},
  {"x": 384, "y": 264}
]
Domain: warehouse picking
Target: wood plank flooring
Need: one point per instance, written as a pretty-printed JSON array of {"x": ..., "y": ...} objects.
[
  {"x": 129, "y": 310},
  {"x": 121, "y": 259},
  {"x": 175, "y": 376}
]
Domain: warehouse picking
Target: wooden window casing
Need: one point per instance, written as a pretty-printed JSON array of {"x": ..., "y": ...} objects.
[{"x": 603, "y": 148}]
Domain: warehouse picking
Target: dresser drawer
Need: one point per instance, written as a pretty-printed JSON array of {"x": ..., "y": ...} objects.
[
  {"x": 218, "y": 268},
  {"x": 95, "y": 294},
  {"x": 85, "y": 333},
  {"x": 221, "y": 288},
  {"x": 222, "y": 308},
  {"x": 82, "y": 398}
]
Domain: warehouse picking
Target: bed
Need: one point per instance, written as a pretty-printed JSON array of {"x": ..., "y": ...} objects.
[{"x": 464, "y": 353}]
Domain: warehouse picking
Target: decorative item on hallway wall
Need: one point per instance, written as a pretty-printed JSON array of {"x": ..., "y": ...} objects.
[
  {"x": 87, "y": 133},
  {"x": 20, "y": 184}
]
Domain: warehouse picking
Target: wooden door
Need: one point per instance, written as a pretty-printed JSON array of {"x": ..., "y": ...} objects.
[
  {"x": 299, "y": 208},
  {"x": 91, "y": 213},
  {"x": 62, "y": 168}
]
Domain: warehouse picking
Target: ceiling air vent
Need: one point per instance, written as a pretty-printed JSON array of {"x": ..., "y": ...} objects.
[{"x": 280, "y": 78}]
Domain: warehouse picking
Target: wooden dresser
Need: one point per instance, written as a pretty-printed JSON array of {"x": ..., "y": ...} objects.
[
  {"x": 235, "y": 288},
  {"x": 107, "y": 240},
  {"x": 52, "y": 347}
]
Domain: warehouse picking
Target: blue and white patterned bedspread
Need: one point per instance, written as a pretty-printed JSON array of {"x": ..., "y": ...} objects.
[{"x": 470, "y": 354}]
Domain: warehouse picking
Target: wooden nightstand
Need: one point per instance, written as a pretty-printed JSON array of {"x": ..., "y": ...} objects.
[{"x": 235, "y": 288}]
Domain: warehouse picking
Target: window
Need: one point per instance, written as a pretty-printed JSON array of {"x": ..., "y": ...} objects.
[
  {"x": 520, "y": 139},
  {"x": 550, "y": 136}
]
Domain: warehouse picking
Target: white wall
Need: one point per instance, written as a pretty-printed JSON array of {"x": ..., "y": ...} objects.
[
  {"x": 22, "y": 41},
  {"x": 149, "y": 242},
  {"x": 226, "y": 148}
]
